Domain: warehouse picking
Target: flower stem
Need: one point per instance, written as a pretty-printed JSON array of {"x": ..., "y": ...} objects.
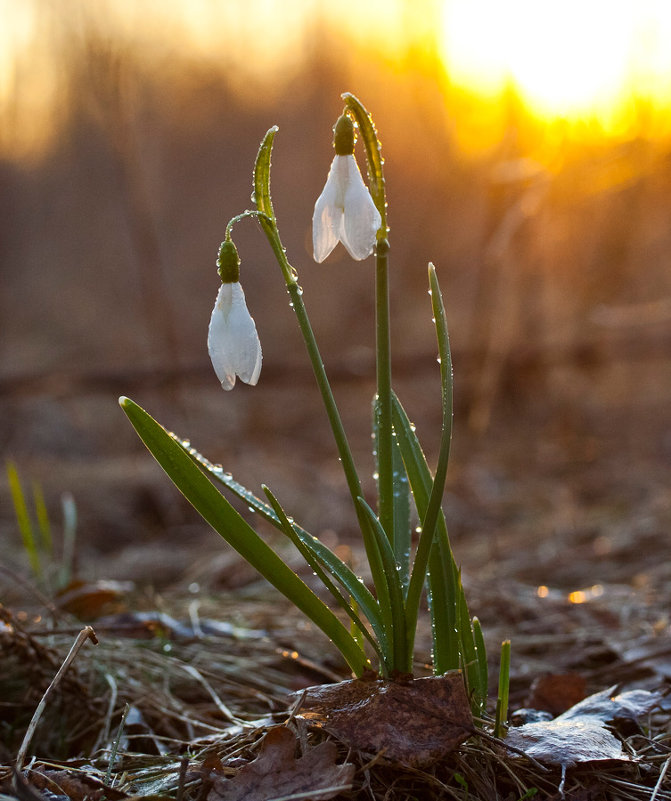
[
  {"x": 383, "y": 341},
  {"x": 346, "y": 459},
  {"x": 383, "y": 365}
]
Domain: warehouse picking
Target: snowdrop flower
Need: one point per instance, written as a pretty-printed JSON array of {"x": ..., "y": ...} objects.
[
  {"x": 345, "y": 211},
  {"x": 232, "y": 341}
]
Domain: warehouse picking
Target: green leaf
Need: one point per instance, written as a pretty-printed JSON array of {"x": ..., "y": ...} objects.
[
  {"x": 402, "y": 538},
  {"x": 396, "y": 622},
  {"x": 262, "y": 175},
  {"x": 347, "y": 578},
  {"x": 23, "y": 519},
  {"x": 433, "y": 512},
  {"x": 43, "y": 523},
  {"x": 481, "y": 651},
  {"x": 227, "y": 522},
  {"x": 289, "y": 528},
  {"x": 503, "y": 692},
  {"x": 469, "y": 654},
  {"x": 442, "y": 569}
]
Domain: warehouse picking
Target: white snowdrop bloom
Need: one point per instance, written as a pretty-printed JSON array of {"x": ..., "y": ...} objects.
[
  {"x": 232, "y": 341},
  {"x": 345, "y": 212}
]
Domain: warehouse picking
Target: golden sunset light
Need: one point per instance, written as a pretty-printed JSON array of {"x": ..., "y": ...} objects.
[
  {"x": 574, "y": 60},
  {"x": 593, "y": 60},
  {"x": 329, "y": 246}
]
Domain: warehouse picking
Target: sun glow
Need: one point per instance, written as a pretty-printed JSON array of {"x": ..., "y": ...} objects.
[
  {"x": 573, "y": 58},
  {"x": 600, "y": 61}
]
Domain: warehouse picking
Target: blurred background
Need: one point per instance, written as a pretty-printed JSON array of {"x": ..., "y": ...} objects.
[{"x": 528, "y": 155}]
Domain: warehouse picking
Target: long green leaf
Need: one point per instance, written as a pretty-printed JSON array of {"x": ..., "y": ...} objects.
[
  {"x": 402, "y": 657},
  {"x": 342, "y": 572},
  {"x": 23, "y": 519},
  {"x": 289, "y": 528},
  {"x": 442, "y": 568},
  {"x": 227, "y": 522},
  {"x": 433, "y": 511},
  {"x": 402, "y": 539}
]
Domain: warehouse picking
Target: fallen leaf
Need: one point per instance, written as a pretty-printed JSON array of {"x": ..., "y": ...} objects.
[
  {"x": 416, "y": 722},
  {"x": 147, "y": 625},
  {"x": 579, "y": 734},
  {"x": 276, "y": 773},
  {"x": 606, "y": 707},
  {"x": 566, "y": 742},
  {"x": 88, "y": 600},
  {"x": 77, "y": 786},
  {"x": 556, "y": 692}
]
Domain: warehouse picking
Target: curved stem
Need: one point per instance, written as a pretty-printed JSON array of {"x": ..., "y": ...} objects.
[{"x": 243, "y": 216}]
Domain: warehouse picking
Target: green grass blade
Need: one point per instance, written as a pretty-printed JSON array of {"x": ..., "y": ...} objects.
[
  {"x": 347, "y": 578},
  {"x": 442, "y": 569},
  {"x": 397, "y": 638},
  {"x": 23, "y": 519},
  {"x": 226, "y": 521},
  {"x": 289, "y": 528},
  {"x": 469, "y": 654},
  {"x": 481, "y": 654},
  {"x": 69, "y": 508},
  {"x": 43, "y": 524},
  {"x": 504, "y": 687},
  {"x": 402, "y": 539}
]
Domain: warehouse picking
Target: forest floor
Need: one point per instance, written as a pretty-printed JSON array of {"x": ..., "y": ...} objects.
[{"x": 560, "y": 522}]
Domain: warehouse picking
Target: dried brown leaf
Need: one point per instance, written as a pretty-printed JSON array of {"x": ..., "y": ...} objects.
[
  {"x": 88, "y": 600},
  {"x": 276, "y": 773},
  {"x": 414, "y": 722},
  {"x": 557, "y": 692},
  {"x": 77, "y": 786},
  {"x": 579, "y": 734}
]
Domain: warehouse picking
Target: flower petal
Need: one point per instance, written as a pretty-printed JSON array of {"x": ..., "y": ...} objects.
[
  {"x": 362, "y": 219},
  {"x": 232, "y": 340},
  {"x": 328, "y": 213}
]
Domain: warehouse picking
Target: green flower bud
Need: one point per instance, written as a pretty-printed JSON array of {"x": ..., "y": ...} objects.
[
  {"x": 343, "y": 136},
  {"x": 228, "y": 262}
]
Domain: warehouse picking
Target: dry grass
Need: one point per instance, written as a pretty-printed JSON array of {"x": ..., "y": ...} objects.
[{"x": 195, "y": 707}]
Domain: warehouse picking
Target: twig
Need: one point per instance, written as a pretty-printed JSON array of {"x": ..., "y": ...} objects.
[
  {"x": 183, "y": 768},
  {"x": 115, "y": 745},
  {"x": 660, "y": 780},
  {"x": 490, "y": 738},
  {"x": 85, "y": 634}
]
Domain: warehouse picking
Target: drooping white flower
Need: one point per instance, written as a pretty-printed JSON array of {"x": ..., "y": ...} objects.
[
  {"x": 232, "y": 340},
  {"x": 345, "y": 212}
]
